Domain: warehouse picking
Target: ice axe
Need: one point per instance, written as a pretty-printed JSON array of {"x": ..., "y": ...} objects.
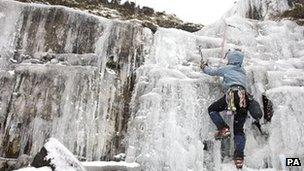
[{"x": 203, "y": 61}]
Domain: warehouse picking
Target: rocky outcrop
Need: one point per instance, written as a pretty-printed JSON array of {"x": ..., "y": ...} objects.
[
  {"x": 296, "y": 13},
  {"x": 260, "y": 9},
  {"x": 54, "y": 155},
  {"x": 114, "y": 9}
]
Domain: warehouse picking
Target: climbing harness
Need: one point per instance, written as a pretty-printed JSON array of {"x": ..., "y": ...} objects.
[{"x": 230, "y": 99}]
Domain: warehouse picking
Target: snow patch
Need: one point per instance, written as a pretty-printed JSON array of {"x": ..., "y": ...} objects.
[
  {"x": 110, "y": 163},
  {"x": 35, "y": 169},
  {"x": 60, "y": 156}
]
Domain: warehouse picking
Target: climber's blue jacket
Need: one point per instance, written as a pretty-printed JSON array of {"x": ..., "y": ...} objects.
[{"x": 233, "y": 73}]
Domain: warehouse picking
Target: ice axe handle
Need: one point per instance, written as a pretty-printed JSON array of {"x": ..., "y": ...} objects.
[{"x": 201, "y": 53}]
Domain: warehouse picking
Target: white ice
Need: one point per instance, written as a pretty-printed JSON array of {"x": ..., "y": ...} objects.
[
  {"x": 169, "y": 120},
  {"x": 171, "y": 98},
  {"x": 35, "y": 169}
]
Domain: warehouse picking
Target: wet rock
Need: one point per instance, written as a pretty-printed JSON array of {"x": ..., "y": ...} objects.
[
  {"x": 12, "y": 163},
  {"x": 111, "y": 64},
  {"x": 191, "y": 27},
  {"x": 23, "y": 161},
  {"x": 48, "y": 57},
  {"x": 40, "y": 161},
  {"x": 3, "y": 165},
  {"x": 254, "y": 13},
  {"x": 120, "y": 157},
  {"x": 268, "y": 108}
]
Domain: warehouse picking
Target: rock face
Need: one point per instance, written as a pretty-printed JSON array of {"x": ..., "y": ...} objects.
[
  {"x": 55, "y": 80},
  {"x": 114, "y": 9},
  {"x": 104, "y": 87},
  {"x": 12, "y": 164},
  {"x": 270, "y": 9},
  {"x": 260, "y": 9},
  {"x": 296, "y": 13}
]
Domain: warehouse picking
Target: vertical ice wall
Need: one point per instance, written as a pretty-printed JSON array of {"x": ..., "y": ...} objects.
[
  {"x": 66, "y": 74},
  {"x": 70, "y": 75},
  {"x": 169, "y": 120}
]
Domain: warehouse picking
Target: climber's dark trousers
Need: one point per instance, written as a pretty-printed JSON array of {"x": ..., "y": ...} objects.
[{"x": 239, "y": 121}]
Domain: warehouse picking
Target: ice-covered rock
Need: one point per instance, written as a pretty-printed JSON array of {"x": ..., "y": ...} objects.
[
  {"x": 77, "y": 99},
  {"x": 117, "y": 88},
  {"x": 55, "y": 155},
  {"x": 169, "y": 120}
]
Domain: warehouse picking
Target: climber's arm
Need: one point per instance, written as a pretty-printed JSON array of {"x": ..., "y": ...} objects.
[{"x": 213, "y": 71}]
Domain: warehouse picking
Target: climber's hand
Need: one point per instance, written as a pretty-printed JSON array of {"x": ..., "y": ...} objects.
[{"x": 203, "y": 65}]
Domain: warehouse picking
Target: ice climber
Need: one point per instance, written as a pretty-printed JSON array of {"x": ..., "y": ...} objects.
[{"x": 234, "y": 101}]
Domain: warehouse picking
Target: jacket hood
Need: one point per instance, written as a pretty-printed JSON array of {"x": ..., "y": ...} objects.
[{"x": 235, "y": 58}]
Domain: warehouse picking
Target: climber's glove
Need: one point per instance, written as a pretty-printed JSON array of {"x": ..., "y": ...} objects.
[{"x": 203, "y": 64}]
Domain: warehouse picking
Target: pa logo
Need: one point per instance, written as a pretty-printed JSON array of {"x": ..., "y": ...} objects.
[{"x": 293, "y": 162}]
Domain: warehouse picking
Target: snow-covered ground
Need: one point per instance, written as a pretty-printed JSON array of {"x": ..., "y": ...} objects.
[
  {"x": 112, "y": 165},
  {"x": 35, "y": 169}
]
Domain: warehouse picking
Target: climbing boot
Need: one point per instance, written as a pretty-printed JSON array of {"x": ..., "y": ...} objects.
[{"x": 223, "y": 133}]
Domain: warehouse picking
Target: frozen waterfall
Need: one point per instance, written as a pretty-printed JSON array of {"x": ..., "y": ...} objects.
[{"x": 104, "y": 87}]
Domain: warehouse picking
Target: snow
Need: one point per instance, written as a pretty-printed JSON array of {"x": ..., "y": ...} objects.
[
  {"x": 61, "y": 157},
  {"x": 11, "y": 72},
  {"x": 35, "y": 169},
  {"x": 110, "y": 163},
  {"x": 231, "y": 167}
]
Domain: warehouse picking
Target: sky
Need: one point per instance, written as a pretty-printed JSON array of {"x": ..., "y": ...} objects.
[{"x": 197, "y": 11}]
